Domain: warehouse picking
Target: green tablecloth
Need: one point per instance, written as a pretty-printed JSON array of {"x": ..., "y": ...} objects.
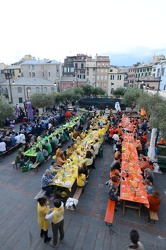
[{"x": 32, "y": 151}]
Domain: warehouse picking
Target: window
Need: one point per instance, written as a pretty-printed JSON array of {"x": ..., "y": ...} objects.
[
  {"x": 101, "y": 77},
  {"x": 45, "y": 89},
  {"x": 158, "y": 72},
  {"x": 29, "y": 74},
  {"x": 82, "y": 65},
  {"x": 76, "y": 65},
  {"x": 72, "y": 70},
  {"x": 83, "y": 76},
  {"x": 98, "y": 78},
  {"x": 119, "y": 77},
  {"x": 33, "y": 67},
  {"x": 19, "y": 89},
  {"x": 98, "y": 70},
  {"x": 33, "y": 74},
  {"x": 101, "y": 70},
  {"x": 65, "y": 69},
  {"x": 49, "y": 74},
  {"x": 20, "y": 100},
  {"x": 52, "y": 89},
  {"x": 105, "y": 70},
  {"x": 111, "y": 70},
  {"x": 111, "y": 77},
  {"x": 37, "y": 89},
  {"x": 105, "y": 77},
  {"x": 42, "y": 74},
  {"x": 163, "y": 71}
]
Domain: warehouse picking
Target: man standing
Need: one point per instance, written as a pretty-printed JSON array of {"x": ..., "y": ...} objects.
[
  {"x": 47, "y": 179},
  {"x": 57, "y": 222}
]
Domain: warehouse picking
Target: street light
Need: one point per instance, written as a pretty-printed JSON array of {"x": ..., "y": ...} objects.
[
  {"x": 28, "y": 91},
  {"x": 8, "y": 77},
  {"x": 56, "y": 84}
]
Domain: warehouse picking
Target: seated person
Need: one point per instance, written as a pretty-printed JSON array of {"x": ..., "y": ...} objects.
[
  {"x": 89, "y": 160},
  {"x": 12, "y": 140},
  {"x": 48, "y": 146},
  {"x": 54, "y": 168},
  {"x": 19, "y": 158},
  {"x": 45, "y": 152},
  {"x": 39, "y": 156},
  {"x": 161, "y": 142},
  {"x": 58, "y": 151},
  {"x": 68, "y": 151},
  {"x": 149, "y": 186},
  {"x": 148, "y": 174},
  {"x": 84, "y": 170},
  {"x": 113, "y": 191},
  {"x": 60, "y": 160},
  {"x": 7, "y": 141},
  {"x": 96, "y": 147},
  {"x": 2, "y": 146},
  {"x": 47, "y": 179},
  {"x": 144, "y": 164},
  {"x": 154, "y": 201},
  {"x": 115, "y": 169},
  {"x": 81, "y": 179}
]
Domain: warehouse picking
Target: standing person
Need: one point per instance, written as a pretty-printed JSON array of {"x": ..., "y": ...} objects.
[
  {"x": 45, "y": 152},
  {"x": 154, "y": 201},
  {"x": 57, "y": 222},
  {"x": 42, "y": 210},
  {"x": 135, "y": 243}
]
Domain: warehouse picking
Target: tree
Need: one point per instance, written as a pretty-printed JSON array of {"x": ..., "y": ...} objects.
[
  {"x": 131, "y": 96},
  {"x": 119, "y": 92},
  {"x": 42, "y": 100},
  {"x": 6, "y": 111}
]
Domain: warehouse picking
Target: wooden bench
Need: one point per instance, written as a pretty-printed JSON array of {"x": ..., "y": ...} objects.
[
  {"x": 76, "y": 196},
  {"x": 35, "y": 166},
  {"x": 40, "y": 194},
  {"x": 153, "y": 216},
  {"x": 109, "y": 216},
  {"x": 14, "y": 164}
]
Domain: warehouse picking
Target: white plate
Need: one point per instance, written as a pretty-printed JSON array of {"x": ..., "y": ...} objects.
[
  {"x": 57, "y": 181},
  {"x": 67, "y": 183}
]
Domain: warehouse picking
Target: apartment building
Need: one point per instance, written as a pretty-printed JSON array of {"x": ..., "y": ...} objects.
[
  {"x": 117, "y": 77},
  {"x": 90, "y": 70},
  {"x": 102, "y": 70},
  {"x": 160, "y": 72},
  {"x": 49, "y": 70}
]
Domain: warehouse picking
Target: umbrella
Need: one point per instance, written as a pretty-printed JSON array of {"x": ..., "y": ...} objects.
[{"x": 151, "y": 150}]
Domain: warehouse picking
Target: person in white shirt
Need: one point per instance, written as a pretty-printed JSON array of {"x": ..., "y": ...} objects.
[
  {"x": 57, "y": 222},
  {"x": 115, "y": 137},
  {"x": 96, "y": 147},
  {"x": 22, "y": 138},
  {"x": 2, "y": 146},
  {"x": 17, "y": 138}
]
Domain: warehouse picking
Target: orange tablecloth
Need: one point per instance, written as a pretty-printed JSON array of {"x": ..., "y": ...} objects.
[{"x": 131, "y": 174}]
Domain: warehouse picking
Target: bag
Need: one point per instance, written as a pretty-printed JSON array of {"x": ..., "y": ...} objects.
[
  {"x": 24, "y": 169},
  {"x": 71, "y": 203},
  {"x": 29, "y": 164}
]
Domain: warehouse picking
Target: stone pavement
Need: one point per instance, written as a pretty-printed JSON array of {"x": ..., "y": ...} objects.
[{"x": 84, "y": 230}]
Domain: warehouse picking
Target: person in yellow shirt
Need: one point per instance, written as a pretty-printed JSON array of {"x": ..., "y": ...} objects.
[
  {"x": 57, "y": 222},
  {"x": 81, "y": 179},
  {"x": 42, "y": 209}
]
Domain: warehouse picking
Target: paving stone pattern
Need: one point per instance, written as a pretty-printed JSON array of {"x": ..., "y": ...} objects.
[{"x": 84, "y": 230}]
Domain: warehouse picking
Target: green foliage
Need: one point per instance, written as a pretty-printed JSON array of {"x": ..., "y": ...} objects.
[
  {"x": 131, "y": 96},
  {"x": 155, "y": 106},
  {"x": 119, "y": 92},
  {"x": 6, "y": 111},
  {"x": 42, "y": 100}
]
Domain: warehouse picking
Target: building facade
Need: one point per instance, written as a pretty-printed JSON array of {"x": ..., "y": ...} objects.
[
  {"x": 49, "y": 70},
  {"x": 160, "y": 72},
  {"x": 102, "y": 70}
]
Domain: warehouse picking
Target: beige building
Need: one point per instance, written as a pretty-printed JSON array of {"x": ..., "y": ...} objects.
[
  {"x": 13, "y": 70},
  {"x": 49, "y": 70},
  {"x": 20, "y": 89},
  {"x": 102, "y": 70},
  {"x": 90, "y": 67},
  {"x": 117, "y": 78}
]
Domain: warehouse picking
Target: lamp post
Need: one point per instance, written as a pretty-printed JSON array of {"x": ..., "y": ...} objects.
[
  {"x": 9, "y": 77},
  {"x": 56, "y": 84},
  {"x": 28, "y": 91}
]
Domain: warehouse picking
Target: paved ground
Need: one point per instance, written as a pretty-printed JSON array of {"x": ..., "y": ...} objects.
[{"x": 83, "y": 230}]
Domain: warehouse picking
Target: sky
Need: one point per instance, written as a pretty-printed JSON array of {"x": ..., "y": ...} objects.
[{"x": 129, "y": 31}]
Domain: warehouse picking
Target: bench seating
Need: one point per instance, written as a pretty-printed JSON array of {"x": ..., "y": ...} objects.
[
  {"x": 35, "y": 166},
  {"x": 109, "y": 216},
  {"x": 76, "y": 196},
  {"x": 10, "y": 150},
  {"x": 153, "y": 216},
  {"x": 40, "y": 194}
]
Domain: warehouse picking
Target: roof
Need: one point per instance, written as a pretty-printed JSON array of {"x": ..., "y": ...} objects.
[
  {"x": 34, "y": 62},
  {"x": 29, "y": 81}
]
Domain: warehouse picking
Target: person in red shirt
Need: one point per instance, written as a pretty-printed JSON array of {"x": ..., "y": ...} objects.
[
  {"x": 154, "y": 201},
  {"x": 111, "y": 133}
]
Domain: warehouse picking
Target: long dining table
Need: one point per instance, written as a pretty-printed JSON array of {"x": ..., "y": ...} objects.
[{"x": 132, "y": 191}]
